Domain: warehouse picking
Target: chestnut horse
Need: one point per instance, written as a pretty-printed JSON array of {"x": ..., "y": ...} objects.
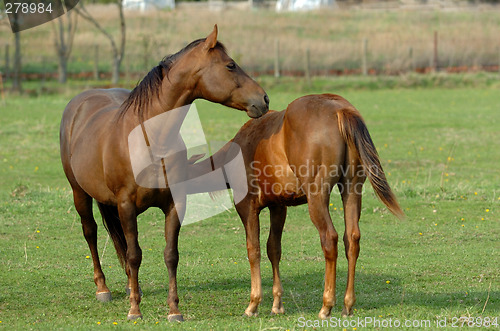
[
  {"x": 297, "y": 156},
  {"x": 95, "y": 156}
]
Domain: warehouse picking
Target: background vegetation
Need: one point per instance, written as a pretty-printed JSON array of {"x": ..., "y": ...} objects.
[{"x": 397, "y": 40}]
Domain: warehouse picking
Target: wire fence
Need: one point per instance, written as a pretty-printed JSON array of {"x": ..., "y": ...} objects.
[{"x": 278, "y": 57}]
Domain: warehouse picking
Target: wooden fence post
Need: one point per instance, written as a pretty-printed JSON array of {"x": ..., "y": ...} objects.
[
  {"x": 308, "y": 66},
  {"x": 146, "y": 52},
  {"x": 7, "y": 62},
  {"x": 96, "y": 62},
  {"x": 412, "y": 61},
  {"x": 498, "y": 60},
  {"x": 1, "y": 89},
  {"x": 276, "y": 58},
  {"x": 43, "y": 74},
  {"x": 364, "y": 58},
  {"x": 435, "y": 64},
  {"x": 16, "y": 74},
  {"x": 128, "y": 68}
]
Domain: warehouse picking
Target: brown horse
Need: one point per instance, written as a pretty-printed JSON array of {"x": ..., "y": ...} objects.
[
  {"x": 95, "y": 156},
  {"x": 297, "y": 156}
]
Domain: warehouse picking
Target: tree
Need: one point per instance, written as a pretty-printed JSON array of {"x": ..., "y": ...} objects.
[
  {"x": 64, "y": 33},
  {"x": 16, "y": 77},
  {"x": 16, "y": 73},
  {"x": 118, "y": 51}
]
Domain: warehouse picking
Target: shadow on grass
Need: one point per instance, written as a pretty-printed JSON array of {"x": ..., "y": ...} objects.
[{"x": 303, "y": 292}]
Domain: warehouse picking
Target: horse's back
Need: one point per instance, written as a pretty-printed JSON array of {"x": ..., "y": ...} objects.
[
  {"x": 311, "y": 126},
  {"x": 88, "y": 104},
  {"x": 92, "y": 101},
  {"x": 311, "y": 106}
]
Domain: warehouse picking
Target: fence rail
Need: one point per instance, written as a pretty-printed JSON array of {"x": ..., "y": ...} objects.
[{"x": 332, "y": 57}]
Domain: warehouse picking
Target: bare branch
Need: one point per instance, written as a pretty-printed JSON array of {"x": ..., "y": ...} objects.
[
  {"x": 83, "y": 12},
  {"x": 122, "y": 28},
  {"x": 118, "y": 52},
  {"x": 64, "y": 29},
  {"x": 54, "y": 30},
  {"x": 73, "y": 22}
]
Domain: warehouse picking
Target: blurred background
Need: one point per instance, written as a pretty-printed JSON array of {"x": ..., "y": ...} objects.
[{"x": 117, "y": 42}]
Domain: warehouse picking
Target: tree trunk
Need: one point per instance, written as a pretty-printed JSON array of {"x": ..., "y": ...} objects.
[
  {"x": 62, "y": 69},
  {"x": 16, "y": 79},
  {"x": 115, "y": 73},
  {"x": 118, "y": 52},
  {"x": 64, "y": 33},
  {"x": 7, "y": 62}
]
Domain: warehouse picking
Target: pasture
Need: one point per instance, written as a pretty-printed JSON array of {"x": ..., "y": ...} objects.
[
  {"x": 397, "y": 41},
  {"x": 439, "y": 148}
]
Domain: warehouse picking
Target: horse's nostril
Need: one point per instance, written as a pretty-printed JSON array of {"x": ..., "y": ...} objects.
[{"x": 266, "y": 99}]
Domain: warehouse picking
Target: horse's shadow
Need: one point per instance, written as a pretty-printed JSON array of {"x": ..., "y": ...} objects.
[{"x": 303, "y": 292}]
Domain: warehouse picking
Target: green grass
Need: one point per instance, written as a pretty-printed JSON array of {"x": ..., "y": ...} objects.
[{"x": 438, "y": 146}]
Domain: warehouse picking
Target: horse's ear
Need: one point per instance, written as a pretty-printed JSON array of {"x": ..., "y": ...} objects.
[{"x": 211, "y": 40}]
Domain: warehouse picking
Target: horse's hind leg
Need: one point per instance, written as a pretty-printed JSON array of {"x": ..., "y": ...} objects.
[
  {"x": 320, "y": 216},
  {"x": 128, "y": 220},
  {"x": 83, "y": 205},
  {"x": 351, "y": 198},
  {"x": 171, "y": 257},
  {"x": 278, "y": 216}
]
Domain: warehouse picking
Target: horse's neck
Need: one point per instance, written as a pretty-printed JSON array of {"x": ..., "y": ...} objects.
[
  {"x": 170, "y": 99},
  {"x": 168, "y": 108}
]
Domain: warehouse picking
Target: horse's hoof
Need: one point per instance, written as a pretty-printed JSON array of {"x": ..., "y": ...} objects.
[
  {"x": 346, "y": 313},
  {"x": 133, "y": 317},
  {"x": 249, "y": 314},
  {"x": 323, "y": 315},
  {"x": 279, "y": 311},
  {"x": 128, "y": 290},
  {"x": 103, "y": 296},
  {"x": 175, "y": 318}
]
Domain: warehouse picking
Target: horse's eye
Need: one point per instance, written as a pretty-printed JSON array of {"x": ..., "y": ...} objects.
[{"x": 231, "y": 66}]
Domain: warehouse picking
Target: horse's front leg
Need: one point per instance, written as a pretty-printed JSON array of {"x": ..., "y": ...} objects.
[
  {"x": 171, "y": 256},
  {"x": 250, "y": 217},
  {"x": 128, "y": 219},
  {"x": 278, "y": 216}
]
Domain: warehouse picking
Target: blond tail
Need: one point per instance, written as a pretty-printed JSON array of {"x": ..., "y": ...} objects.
[{"x": 355, "y": 134}]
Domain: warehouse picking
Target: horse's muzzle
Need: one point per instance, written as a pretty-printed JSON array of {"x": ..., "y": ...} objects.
[{"x": 259, "y": 107}]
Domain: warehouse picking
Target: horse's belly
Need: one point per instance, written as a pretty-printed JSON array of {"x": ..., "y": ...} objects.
[
  {"x": 97, "y": 189},
  {"x": 88, "y": 172},
  {"x": 278, "y": 184}
]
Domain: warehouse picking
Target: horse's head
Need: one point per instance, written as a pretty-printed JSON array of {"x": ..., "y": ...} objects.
[{"x": 219, "y": 79}]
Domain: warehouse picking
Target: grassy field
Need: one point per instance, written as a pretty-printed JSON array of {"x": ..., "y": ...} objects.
[{"x": 438, "y": 146}]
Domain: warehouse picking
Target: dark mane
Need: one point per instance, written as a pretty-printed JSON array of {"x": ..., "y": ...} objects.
[{"x": 149, "y": 87}]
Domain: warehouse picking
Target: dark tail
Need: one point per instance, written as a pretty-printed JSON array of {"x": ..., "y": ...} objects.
[
  {"x": 355, "y": 134},
  {"x": 113, "y": 226}
]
